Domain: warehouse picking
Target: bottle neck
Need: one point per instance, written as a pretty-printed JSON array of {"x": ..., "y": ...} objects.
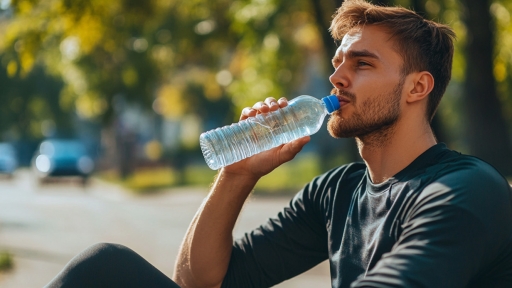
[{"x": 331, "y": 103}]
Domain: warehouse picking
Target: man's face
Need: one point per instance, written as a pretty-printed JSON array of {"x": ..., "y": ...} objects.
[{"x": 368, "y": 82}]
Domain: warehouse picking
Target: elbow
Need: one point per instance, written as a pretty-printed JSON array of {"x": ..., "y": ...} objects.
[
  {"x": 196, "y": 284},
  {"x": 189, "y": 280}
]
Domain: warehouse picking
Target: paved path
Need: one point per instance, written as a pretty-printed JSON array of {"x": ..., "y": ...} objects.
[{"x": 44, "y": 227}]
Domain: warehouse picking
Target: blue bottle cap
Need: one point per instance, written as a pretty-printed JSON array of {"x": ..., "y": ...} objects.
[{"x": 331, "y": 103}]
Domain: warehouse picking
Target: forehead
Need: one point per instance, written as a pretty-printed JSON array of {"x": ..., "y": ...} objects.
[{"x": 372, "y": 38}]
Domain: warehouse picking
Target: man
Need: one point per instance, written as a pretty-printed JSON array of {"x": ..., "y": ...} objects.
[{"x": 414, "y": 214}]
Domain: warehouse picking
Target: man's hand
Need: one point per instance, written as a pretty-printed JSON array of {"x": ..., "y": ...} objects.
[{"x": 263, "y": 163}]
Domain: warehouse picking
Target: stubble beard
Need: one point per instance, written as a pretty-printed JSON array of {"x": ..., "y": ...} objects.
[{"x": 375, "y": 124}]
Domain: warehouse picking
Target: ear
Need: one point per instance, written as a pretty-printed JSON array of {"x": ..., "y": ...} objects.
[{"x": 420, "y": 85}]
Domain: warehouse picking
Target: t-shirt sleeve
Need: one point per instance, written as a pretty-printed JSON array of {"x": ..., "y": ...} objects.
[
  {"x": 456, "y": 226},
  {"x": 287, "y": 245}
]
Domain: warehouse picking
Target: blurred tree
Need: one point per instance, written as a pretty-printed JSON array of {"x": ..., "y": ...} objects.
[
  {"x": 323, "y": 11},
  {"x": 486, "y": 128},
  {"x": 204, "y": 58},
  {"x": 501, "y": 11},
  {"x": 176, "y": 57},
  {"x": 97, "y": 48},
  {"x": 149, "y": 49},
  {"x": 30, "y": 107}
]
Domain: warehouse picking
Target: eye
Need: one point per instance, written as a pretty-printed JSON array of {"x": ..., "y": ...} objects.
[{"x": 362, "y": 63}]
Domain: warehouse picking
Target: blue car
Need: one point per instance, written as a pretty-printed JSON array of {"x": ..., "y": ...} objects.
[
  {"x": 8, "y": 159},
  {"x": 56, "y": 158}
]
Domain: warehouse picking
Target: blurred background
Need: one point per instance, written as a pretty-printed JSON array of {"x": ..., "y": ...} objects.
[{"x": 114, "y": 94}]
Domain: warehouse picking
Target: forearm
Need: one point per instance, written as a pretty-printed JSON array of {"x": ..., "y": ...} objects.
[{"x": 205, "y": 252}]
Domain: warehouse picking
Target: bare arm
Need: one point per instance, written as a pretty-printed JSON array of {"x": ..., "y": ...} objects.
[{"x": 206, "y": 250}]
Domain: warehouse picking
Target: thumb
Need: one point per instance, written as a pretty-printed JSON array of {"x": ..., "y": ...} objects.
[{"x": 289, "y": 150}]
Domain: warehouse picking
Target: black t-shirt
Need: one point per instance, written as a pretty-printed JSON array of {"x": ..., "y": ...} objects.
[{"x": 443, "y": 221}]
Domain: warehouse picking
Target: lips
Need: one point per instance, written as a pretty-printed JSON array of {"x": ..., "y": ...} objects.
[{"x": 343, "y": 100}]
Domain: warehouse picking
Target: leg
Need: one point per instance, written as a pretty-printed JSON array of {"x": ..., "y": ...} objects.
[{"x": 110, "y": 265}]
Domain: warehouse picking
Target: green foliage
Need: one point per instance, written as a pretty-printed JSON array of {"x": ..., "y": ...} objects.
[
  {"x": 30, "y": 105},
  {"x": 501, "y": 11},
  {"x": 143, "y": 49},
  {"x": 98, "y": 48},
  {"x": 176, "y": 57},
  {"x": 208, "y": 59},
  {"x": 6, "y": 262}
]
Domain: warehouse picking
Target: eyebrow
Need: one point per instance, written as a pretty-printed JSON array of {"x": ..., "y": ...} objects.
[{"x": 356, "y": 54}]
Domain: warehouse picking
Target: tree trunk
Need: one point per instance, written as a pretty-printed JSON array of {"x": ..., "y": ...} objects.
[
  {"x": 419, "y": 7},
  {"x": 486, "y": 129},
  {"x": 323, "y": 11}
]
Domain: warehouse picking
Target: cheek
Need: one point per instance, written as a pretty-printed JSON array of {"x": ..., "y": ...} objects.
[
  {"x": 365, "y": 85},
  {"x": 372, "y": 85},
  {"x": 372, "y": 80}
]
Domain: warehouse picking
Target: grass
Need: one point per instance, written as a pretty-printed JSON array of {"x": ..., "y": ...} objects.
[
  {"x": 198, "y": 175},
  {"x": 151, "y": 179},
  {"x": 288, "y": 178},
  {"x": 143, "y": 181},
  {"x": 6, "y": 262},
  {"x": 291, "y": 176}
]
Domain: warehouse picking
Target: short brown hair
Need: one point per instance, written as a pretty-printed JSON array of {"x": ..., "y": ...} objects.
[{"x": 424, "y": 45}]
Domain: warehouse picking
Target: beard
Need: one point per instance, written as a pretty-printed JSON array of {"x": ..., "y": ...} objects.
[{"x": 375, "y": 120}]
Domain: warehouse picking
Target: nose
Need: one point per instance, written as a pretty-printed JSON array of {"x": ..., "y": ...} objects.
[{"x": 339, "y": 78}]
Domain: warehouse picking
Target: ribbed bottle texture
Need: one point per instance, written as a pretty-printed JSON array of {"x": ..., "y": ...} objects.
[{"x": 229, "y": 144}]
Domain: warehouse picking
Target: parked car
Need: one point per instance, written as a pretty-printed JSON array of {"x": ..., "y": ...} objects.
[
  {"x": 57, "y": 158},
  {"x": 8, "y": 159}
]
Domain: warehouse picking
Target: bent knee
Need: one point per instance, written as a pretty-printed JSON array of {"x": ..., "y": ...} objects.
[{"x": 105, "y": 253}]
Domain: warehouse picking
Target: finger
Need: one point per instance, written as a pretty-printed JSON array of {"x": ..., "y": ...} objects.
[
  {"x": 291, "y": 149},
  {"x": 261, "y": 107},
  {"x": 272, "y": 103},
  {"x": 248, "y": 112},
  {"x": 282, "y": 102}
]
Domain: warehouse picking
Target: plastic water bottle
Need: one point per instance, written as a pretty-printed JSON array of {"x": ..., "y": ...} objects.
[{"x": 303, "y": 116}]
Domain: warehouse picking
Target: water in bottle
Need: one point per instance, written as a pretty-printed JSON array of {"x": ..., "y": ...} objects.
[{"x": 303, "y": 116}]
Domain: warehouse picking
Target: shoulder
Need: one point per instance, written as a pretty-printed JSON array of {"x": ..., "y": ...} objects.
[
  {"x": 470, "y": 185},
  {"x": 464, "y": 192},
  {"x": 468, "y": 173}
]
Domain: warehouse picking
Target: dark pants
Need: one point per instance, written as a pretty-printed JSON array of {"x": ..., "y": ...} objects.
[{"x": 110, "y": 265}]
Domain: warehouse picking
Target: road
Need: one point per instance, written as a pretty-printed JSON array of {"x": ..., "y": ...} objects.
[{"x": 45, "y": 226}]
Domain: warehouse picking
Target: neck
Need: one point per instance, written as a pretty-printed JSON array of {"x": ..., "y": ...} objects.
[{"x": 388, "y": 151}]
